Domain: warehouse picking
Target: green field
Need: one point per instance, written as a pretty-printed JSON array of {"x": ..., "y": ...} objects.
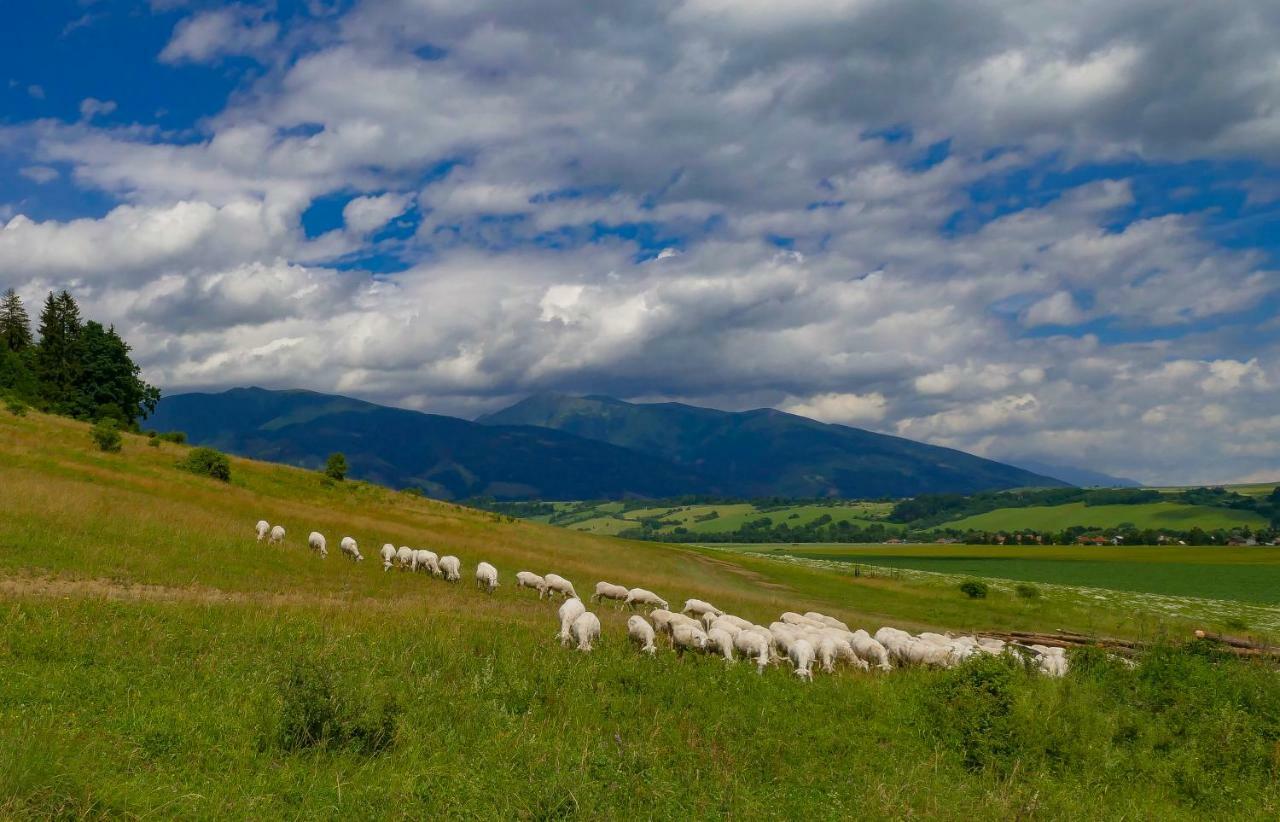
[
  {"x": 156, "y": 661},
  {"x": 612, "y": 518},
  {"x": 1241, "y": 574},
  {"x": 1174, "y": 516}
]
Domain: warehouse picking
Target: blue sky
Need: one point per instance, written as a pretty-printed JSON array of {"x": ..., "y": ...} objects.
[{"x": 1033, "y": 231}]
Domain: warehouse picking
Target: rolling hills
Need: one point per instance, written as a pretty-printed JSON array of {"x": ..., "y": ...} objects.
[
  {"x": 158, "y": 661},
  {"x": 1156, "y": 515},
  {"x": 767, "y": 453}
]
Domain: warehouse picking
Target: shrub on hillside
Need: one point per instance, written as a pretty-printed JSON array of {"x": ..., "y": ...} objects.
[
  {"x": 174, "y": 436},
  {"x": 336, "y": 467},
  {"x": 974, "y": 589},
  {"x": 314, "y": 714},
  {"x": 207, "y": 462},
  {"x": 106, "y": 433},
  {"x": 15, "y": 406},
  {"x": 975, "y": 705},
  {"x": 1027, "y": 591}
]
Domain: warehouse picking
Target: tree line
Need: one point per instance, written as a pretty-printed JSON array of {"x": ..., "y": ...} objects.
[{"x": 73, "y": 367}]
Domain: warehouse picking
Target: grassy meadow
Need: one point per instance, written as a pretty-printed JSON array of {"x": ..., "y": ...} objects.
[
  {"x": 1171, "y": 515},
  {"x": 612, "y": 518},
  {"x": 157, "y": 661}
]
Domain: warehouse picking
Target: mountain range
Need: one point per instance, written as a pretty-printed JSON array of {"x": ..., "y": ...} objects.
[{"x": 553, "y": 446}]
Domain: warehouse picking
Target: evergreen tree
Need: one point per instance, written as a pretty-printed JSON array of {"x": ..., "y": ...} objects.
[
  {"x": 108, "y": 384},
  {"x": 15, "y": 325},
  {"x": 59, "y": 354}
]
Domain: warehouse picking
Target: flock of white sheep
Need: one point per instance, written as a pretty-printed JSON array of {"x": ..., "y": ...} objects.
[{"x": 802, "y": 640}]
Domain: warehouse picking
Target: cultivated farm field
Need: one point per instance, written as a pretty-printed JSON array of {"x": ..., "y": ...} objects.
[
  {"x": 614, "y": 518},
  {"x": 158, "y": 661}
]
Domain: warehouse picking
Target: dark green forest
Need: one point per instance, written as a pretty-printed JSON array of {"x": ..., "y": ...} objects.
[{"x": 72, "y": 367}]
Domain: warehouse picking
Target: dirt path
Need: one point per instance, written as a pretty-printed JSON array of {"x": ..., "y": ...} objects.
[{"x": 45, "y": 587}]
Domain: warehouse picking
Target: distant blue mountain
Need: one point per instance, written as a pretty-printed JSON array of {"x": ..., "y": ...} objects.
[{"x": 1082, "y": 477}]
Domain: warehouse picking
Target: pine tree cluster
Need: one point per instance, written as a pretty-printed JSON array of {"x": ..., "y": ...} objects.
[{"x": 76, "y": 368}]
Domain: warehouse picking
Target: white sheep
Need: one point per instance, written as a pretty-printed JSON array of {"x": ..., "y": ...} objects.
[
  {"x": 801, "y": 654},
  {"x": 388, "y": 554},
  {"x": 570, "y": 610},
  {"x": 641, "y": 596},
  {"x": 827, "y": 651},
  {"x": 661, "y": 620},
  {"x": 870, "y": 651},
  {"x": 641, "y": 633},
  {"x": 687, "y": 636},
  {"x": 404, "y": 558},
  {"x": 528, "y": 579},
  {"x": 451, "y": 568},
  {"x": 607, "y": 590},
  {"x": 557, "y": 584},
  {"x": 277, "y": 535},
  {"x": 486, "y": 577},
  {"x": 262, "y": 529},
  {"x": 697, "y": 607},
  {"x": 753, "y": 645},
  {"x": 721, "y": 641},
  {"x": 317, "y": 544},
  {"x": 830, "y": 622},
  {"x": 732, "y": 628},
  {"x": 734, "y": 620},
  {"x": 422, "y": 558},
  {"x": 349, "y": 548},
  {"x": 585, "y": 630}
]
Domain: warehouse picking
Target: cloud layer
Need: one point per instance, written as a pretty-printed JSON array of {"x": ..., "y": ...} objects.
[{"x": 733, "y": 203}]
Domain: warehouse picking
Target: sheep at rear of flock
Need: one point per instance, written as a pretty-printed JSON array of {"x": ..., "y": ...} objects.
[
  {"x": 350, "y": 549},
  {"x": 1051, "y": 661},
  {"x": 640, "y": 632},
  {"x": 426, "y": 560},
  {"x": 661, "y": 620},
  {"x": 688, "y": 636},
  {"x": 830, "y": 622},
  {"x": 486, "y": 577},
  {"x": 801, "y": 654},
  {"x": 607, "y": 590},
  {"x": 451, "y": 568},
  {"x": 262, "y": 529},
  {"x": 570, "y": 610},
  {"x": 277, "y": 535},
  {"x": 585, "y": 630},
  {"x": 315, "y": 541},
  {"x": 642, "y": 596},
  {"x": 720, "y": 641},
  {"x": 528, "y": 579},
  {"x": 870, "y": 651},
  {"x": 388, "y": 554},
  {"x": 697, "y": 607},
  {"x": 557, "y": 584}
]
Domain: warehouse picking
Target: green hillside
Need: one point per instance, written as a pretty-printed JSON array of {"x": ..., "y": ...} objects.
[
  {"x": 613, "y": 518},
  {"x": 159, "y": 662},
  {"x": 1169, "y": 515}
]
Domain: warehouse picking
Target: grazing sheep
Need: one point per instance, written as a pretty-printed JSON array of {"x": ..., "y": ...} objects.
[
  {"x": 720, "y": 641},
  {"x": 830, "y": 622},
  {"x": 688, "y": 636},
  {"x": 262, "y": 529},
  {"x": 349, "y": 548},
  {"x": 723, "y": 624},
  {"x": 753, "y": 645},
  {"x": 1051, "y": 661},
  {"x": 661, "y": 620},
  {"x": 557, "y": 584},
  {"x": 528, "y": 579},
  {"x": 680, "y": 619},
  {"x": 585, "y": 630},
  {"x": 641, "y": 596},
  {"x": 404, "y": 558},
  {"x": 640, "y": 632},
  {"x": 317, "y": 544},
  {"x": 827, "y": 651},
  {"x": 607, "y": 590},
  {"x": 697, "y": 607},
  {"x": 277, "y": 535},
  {"x": 782, "y": 636},
  {"x": 734, "y": 620},
  {"x": 451, "y": 568},
  {"x": 486, "y": 577},
  {"x": 801, "y": 655},
  {"x": 388, "y": 554},
  {"x": 870, "y": 651},
  {"x": 570, "y": 610},
  {"x": 422, "y": 558}
]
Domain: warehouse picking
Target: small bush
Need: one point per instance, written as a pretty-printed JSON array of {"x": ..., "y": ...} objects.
[
  {"x": 153, "y": 442},
  {"x": 336, "y": 467},
  {"x": 314, "y": 715},
  {"x": 974, "y": 711},
  {"x": 15, "y": 407},
  {"x": 179, "y": 437},
  {"x": 106, "y": 433},
  {"x": 1027, "y": 591},
  {"x": 974, "y": 589},
  {"x": 207, "y": 462}
]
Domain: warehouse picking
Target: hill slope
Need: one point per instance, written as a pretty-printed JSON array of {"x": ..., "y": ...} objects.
[
  {"x": 160, "y": 662},
  {"x": 445, "y": 456},
  {"x": 765, "y": 452}
]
